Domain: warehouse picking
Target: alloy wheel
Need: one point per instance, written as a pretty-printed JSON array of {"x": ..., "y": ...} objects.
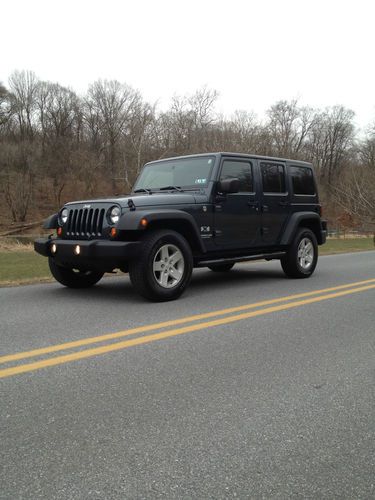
[
  {"x": 168, "y": 266},
  {"x": 305, "y": 253}
]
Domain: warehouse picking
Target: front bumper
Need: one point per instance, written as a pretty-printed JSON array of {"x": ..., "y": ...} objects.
[{"x": 94, "y": 250}]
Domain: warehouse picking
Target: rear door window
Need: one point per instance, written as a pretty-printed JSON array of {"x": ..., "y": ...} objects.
[{"x": 273, "y": 177}]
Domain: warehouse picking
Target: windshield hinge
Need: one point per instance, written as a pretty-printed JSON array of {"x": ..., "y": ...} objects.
[{"x": 131, "y": 205}]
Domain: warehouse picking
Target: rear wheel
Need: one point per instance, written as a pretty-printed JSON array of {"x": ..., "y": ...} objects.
[
  {"x": 163, "y": 269},
  {"x": 302, "y": 256},
  {"x": 74, "y": 278},
  {"x": 221, "y": 268}
]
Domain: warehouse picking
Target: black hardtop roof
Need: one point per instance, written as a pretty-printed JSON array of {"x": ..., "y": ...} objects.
[{"x": 237, "y": 155}]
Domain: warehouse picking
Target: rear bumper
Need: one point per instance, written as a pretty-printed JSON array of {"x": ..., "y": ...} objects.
[
  {"x": 95, "y": 250},
  {"x": 323, "y": 232}
]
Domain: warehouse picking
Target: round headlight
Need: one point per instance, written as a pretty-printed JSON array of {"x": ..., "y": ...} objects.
[
  {"x": 114, "y": 214},
  {"x": 64, "y": 215}
]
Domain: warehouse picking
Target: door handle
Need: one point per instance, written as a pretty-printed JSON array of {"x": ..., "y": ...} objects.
[
  {"x": 253, "y": 204},
  {"x": 283, "y": 203}
]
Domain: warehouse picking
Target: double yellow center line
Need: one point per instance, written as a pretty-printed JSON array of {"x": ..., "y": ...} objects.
[{"x": 251, "y": 311}]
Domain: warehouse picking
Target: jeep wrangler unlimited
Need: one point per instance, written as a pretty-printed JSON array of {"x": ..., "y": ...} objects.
[{"x": 206, "y": 210}]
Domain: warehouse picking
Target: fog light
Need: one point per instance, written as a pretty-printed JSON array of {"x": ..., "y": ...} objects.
[
  {"x": 53, "y": 248},
  {"x": 77, "y": 249}
]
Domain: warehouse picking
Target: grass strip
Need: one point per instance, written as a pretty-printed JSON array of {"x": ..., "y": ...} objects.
[
  {"x": 25, "y": 266},
  {"x": 22, "y": 267},
  {"x": 346, "y": 245}
]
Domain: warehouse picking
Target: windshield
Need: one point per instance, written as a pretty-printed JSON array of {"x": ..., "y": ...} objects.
[{"x": 185, "y": 173}]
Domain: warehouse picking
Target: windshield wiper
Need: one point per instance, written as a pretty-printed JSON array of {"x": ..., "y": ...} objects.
[
  {"x": 143, "y": 190},
  {"x": 170, "y": 188}
]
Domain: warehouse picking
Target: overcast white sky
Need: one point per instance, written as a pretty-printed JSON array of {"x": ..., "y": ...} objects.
[{"x": 253, "y": 52}]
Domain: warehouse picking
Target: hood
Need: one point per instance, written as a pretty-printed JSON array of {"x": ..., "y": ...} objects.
[{"x": 145, "y": 200}]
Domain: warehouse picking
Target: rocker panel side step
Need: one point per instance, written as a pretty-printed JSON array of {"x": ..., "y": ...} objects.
[{"x": 267, "y": 256}]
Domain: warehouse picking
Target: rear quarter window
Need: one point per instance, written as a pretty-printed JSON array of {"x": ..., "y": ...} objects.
[{"x": 302, "y": 180}]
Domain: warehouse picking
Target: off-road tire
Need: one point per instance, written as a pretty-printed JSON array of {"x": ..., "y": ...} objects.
[
  {"x": 221, "y": 268},
  {"x": 141, "y": 269},
  {"x": 74, "y": 278},
  {"x": 291, "y": 262}
]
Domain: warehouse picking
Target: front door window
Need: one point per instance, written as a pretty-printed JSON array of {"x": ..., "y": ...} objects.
[{"x": 241, "y": 170}]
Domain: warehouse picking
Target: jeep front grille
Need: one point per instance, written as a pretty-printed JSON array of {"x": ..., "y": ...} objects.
[{"x": 85, "y": 222}]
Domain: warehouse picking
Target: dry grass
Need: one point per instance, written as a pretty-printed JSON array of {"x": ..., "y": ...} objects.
[{"x": 8, "y": 245}]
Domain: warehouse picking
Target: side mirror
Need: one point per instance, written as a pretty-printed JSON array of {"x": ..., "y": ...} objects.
[{"x": 229, "y": 185}]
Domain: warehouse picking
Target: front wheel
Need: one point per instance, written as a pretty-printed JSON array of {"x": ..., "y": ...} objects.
[
  {"x": 74, "y": 278},
  {"x": 163, "y": 269},
  {"x": 302, "y": 256}
]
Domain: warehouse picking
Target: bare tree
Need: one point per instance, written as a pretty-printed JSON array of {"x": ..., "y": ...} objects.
[
  {"x": 355, "y": 192},
  {"x": 330, "y": 142},
  {"x": 138, "y": 132},
  {"x": 202, "y": 107},
  {"x": 17, "y": 162},
  {"x": 24, "y": 86},
  {"x": 109, "y": 107},
  {"x": 187, "y": 125},
  {"x": 245, "y": 131},
  {"x": 181, "y": 122},
  {"x": 202, "y": 112},
  {"x": 58, "y": 117},
  {"x": 367, "y": 148},
  {"x": 289, "y": 126},
  {"x": 5, "y": 108}
]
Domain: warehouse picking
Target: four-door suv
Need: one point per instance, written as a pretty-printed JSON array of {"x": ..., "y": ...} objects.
[{"x": 206, "y": 210}]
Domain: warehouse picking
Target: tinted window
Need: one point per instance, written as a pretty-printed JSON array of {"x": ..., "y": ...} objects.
[
  {"x": 273, "y": 178},
  {"x": 302, "y": 180},
  {"x": 241, "y": 170}
]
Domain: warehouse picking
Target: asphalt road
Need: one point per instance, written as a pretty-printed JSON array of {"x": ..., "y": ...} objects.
[{"x": 272, "y": 400}]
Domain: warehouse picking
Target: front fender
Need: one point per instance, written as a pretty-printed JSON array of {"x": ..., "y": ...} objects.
[
  {"x": 131, "y": 221},
  {"x": 52, "y": 222}
]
